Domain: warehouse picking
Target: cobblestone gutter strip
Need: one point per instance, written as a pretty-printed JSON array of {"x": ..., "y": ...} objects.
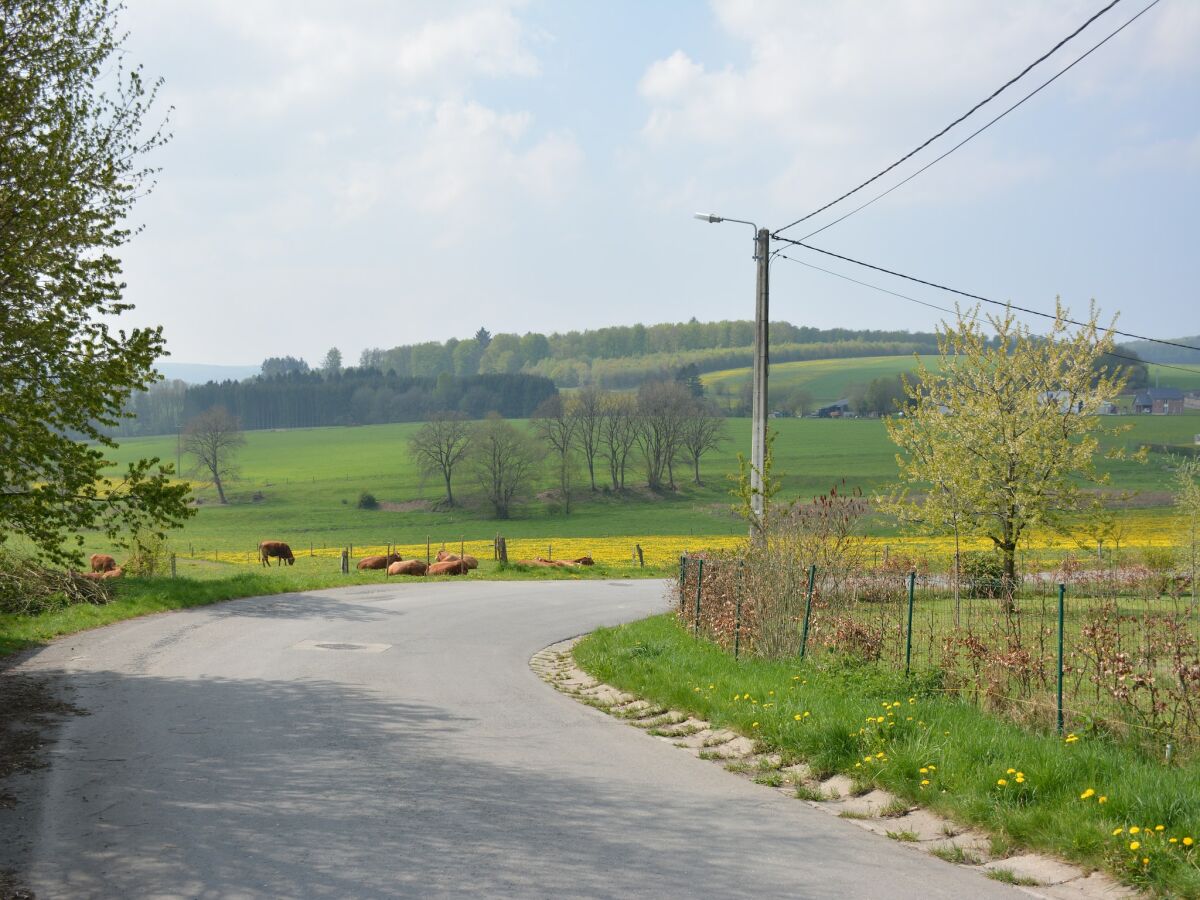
[{"x": 877, "y": 811}]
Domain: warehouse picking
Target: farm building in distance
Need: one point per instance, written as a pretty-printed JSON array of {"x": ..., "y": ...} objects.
[
  {"x": 1159, "y": 402},
  {"x": 834, "y": 410}
]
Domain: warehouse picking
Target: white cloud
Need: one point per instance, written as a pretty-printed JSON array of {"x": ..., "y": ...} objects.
[{"x": 839, "y": 89}]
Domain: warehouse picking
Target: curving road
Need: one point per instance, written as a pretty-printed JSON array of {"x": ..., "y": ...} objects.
[{"x": 228, "y": 754}]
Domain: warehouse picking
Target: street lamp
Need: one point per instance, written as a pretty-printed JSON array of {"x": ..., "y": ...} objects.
[{"x": 758, "y": 401}]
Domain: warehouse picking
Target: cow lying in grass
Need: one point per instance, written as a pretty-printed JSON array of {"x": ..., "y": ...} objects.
[
  {"x": 407, "y": 567},
  {"x": 269, "y": 550},
  {"x": 449, "y": 567},
  {"x": 105, "y": 575},
  {"x": 446, "y": 556},
  {"x": 379, "y": 562}
]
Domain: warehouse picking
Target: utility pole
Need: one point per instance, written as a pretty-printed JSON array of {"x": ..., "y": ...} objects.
[{"x": 758, "y": 402}]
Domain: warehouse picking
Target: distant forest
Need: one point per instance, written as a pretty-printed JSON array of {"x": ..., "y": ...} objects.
[{"x": 305, "y": 399}]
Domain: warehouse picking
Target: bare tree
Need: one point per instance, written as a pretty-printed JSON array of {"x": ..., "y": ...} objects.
[
  {"x": 662, "y": 409},
  {"x": 557, "y": 428},
  {"x": 587, "y": 408},
  {"x": 703, "y": 430},
  {"x": 618, "y": 434},
  {"x": 439, "y": 445},
  {"x": 502, "y": 460},
  {"x": 212, "y": 438}
]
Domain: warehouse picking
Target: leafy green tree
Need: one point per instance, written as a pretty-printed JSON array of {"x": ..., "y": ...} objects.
[
  {"x": 1001, "y": 433},
  {"x": 332, "y": 364},
  {"x": 1187, "y": 498},
  {"x": 70, "y": 170},
  {"x": 283, "y": 365}
]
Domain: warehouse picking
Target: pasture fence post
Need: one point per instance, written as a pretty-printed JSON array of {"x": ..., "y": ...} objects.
[
  {"x": 172, "y": 565},
  {"x": 345, "y": 561},
  {"x": 640, "y": 556},
  {"x": 699, "y": 586},
  {"x": 503, "y": 550},
  {"x": 310, "y": 549},
  {"x": 427, "y": 550},
  {"x": 912, "y": 584},
  {"x": 812, "y": 580},
  {"x": 1062, "y": 591},
  {"x": 462, "y": 546}
]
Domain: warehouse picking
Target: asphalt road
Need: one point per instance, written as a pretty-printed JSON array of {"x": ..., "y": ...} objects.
[{"x": 223, "y": 756}]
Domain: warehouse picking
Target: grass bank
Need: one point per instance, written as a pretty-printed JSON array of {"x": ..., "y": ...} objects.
[
  {"x": 1083, "y": 798},
  {"x": 201, "y": 584}
]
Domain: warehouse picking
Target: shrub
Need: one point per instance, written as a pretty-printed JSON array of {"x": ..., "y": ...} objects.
[
  {"x": 983, "y": 574},
  {"x": 149, "y": 555},
  {"x": 367, "y": 501}
]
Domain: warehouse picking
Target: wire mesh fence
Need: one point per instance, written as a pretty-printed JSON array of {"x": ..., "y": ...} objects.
[{"x": 1114, "y": 649}]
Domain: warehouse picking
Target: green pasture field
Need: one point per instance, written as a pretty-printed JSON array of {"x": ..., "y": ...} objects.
[
  {"x": 310, "y": 479},
  {"x": 827, "y": 380}
]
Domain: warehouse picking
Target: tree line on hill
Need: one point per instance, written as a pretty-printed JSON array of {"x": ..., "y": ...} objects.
[{"x": 625, "y": 356}]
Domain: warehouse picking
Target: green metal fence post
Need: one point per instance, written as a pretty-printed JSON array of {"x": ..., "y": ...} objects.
[
  {"x": 682, "y": 579},
  {"x": 912, "y": 583},
  {"x": 699, "y": 584},
  {"x": 1062, "y": 591},
  {"x": 812, "y": 579}
]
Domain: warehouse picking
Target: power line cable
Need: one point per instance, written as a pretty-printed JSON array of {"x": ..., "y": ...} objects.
[
  {"x": 965, "y": 115},
  {"x": 979, "y": 130},
  {"x": 979, "y": 297},
  {"x": 955, "y": 312}
]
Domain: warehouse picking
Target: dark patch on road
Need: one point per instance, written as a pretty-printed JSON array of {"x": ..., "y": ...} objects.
[{"x": 28, "y": 706}]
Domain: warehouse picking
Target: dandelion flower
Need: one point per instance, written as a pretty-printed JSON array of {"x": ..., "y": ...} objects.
[
  {"x": 1145, "y": 860},
  {"x": 1133, "y": 845},
  {"x": 1102, "y": 799},
  {"x": 924, "y": 770},
  {"x": 753, "y": 724},
  {"x": 1012, "y": 772},
  {"x": 924, "y": 781},
  {"x": 1117, "y": 831},
  {"x": 1089, "y": 793},
  {"x": 1002, "y": 781},
  {"x": 1173, "y": 841},
  {"x": 797, "y": 717},
  {"x": 1134, "y": 830},
  {"x": 880, "y": 755},
  {"x": 1158, "y": 828},
  {"x": 1187, "y": 842},
  {"x": 932, "y": 766}
]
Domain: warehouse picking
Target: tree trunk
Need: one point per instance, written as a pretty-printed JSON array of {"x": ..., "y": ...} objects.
[
  {"x": 220, "y": 489},
  {"x": 696, "y": 464},
  {"x": 449, "y": 493}
]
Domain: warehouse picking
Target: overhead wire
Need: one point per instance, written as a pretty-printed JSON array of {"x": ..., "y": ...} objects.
[
  {"x": 979, "y": 297},
  {"x": 955, "y": 312},
  {"x": 961, "y": 118},
  {"x": 976, "y": 132}
]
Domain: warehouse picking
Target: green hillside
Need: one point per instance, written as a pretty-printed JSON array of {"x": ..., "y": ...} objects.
[
  {"x": 309, "y": 481},
  {"x": 826, "y": 379}
]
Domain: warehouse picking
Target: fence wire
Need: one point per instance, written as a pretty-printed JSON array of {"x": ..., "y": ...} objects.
[{"x": 1129, "y": 660}]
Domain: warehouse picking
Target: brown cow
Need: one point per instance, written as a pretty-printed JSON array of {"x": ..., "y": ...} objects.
[
  {"x": 115, "y": 572},
  {"x": 538, "y": 562},
  {"x": 471, "y": 561},
  {"x": 584, "y": 561},
  {"x": 379, "y": 562},
  {"x": 408, "y": 567},
  {"x": 448, "y": 567},
  {"x": 268, "y": 550},
  {"x": 102, "y": 562}
]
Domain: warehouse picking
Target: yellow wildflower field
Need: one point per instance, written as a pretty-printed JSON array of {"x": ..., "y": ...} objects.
[{"x": 665, "y": 549}]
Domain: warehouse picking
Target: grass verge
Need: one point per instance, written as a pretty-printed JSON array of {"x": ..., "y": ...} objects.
[
  {"x": 949, "y": 756},
  {"x": 202, "y": 583}
]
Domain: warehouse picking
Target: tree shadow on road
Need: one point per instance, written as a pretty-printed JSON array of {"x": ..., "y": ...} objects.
[{"x": 318, "y": 788}]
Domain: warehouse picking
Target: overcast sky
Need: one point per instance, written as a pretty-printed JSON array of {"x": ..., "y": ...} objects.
[{"x": 376, "y": 173}]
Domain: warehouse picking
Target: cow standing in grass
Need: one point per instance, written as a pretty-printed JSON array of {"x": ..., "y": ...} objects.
[
  {"x": 102, "y": 562},
  {"x": 269, "y": 550}
]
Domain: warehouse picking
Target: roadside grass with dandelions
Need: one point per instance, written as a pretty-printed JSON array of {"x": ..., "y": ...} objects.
[{"x": 1079, "y": 797}]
